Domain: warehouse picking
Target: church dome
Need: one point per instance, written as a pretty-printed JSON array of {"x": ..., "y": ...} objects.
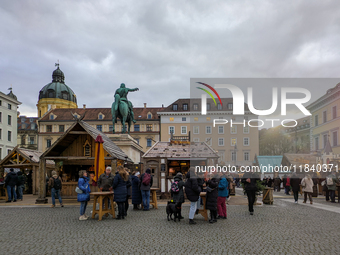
[{"x": 57, "y": 88}]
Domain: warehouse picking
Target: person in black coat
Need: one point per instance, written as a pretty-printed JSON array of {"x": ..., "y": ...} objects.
[
  {"x": 211, "y": 202},
  {"x": 179, "y": 196},
  {"x": 200, "y": 181},
  {"x": 120, "y": 191},
  {"x": 192, "y": 191},
  {"x": 295, "y": 183},
  {"x": 11, "y": 181},
  {"x": 249, "y": 180},
  {"x": 136, "y": 193}
]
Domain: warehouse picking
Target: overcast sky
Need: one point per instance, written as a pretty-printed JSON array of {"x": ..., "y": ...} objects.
[{"x": 158, "y": 46}]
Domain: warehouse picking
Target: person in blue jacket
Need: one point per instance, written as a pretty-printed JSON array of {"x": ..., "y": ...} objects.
[
  {"x": 83, "y": 198},
  {"x": 120, "y": 190},
  {"x": 136, "y": 193},
  {"x": 222, "y": 195}
]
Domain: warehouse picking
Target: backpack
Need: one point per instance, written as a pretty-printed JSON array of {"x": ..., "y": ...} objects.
[
  {"x": 174, "y": 187},
  {"x": 329, "y": 181},
  {"x": 146, "y": 179},
  {"x": 57, "y": 184}
]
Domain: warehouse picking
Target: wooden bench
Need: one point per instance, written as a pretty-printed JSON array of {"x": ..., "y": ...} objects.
[
  {"x": 103, "y": 198},
  {"x": 204, "y": 211}
]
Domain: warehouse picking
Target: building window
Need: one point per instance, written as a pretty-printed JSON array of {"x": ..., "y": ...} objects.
[
  {"x": 48, "y": 143},
  {"x": 64, "y": 95},
  {"x": 0, "y": 134},
  {"x": 62, "y": 128},
  {"x": 246, "y": 156},
  {"x": 0, "y": 152},
  {"x": 233, "y": 141},
  {"x": 51, "y": 117},
  {"x": 230, "y": 106},
  {"x": 171, "y": 130},
  {"x": 0, "y": 105},
  {"x": 23, "y": 140},
  {"x": 219, "y": 106},
  {"x": 50, "y": 93},
  {"x": 196, "y": 130},
  {"x": 335, "y": 138},
  {"x": 184, "y": 119},
  {"x": 9, "y": 120},
  {"x": 99, "y": 127},
  {"x": 9, "y": 151},
  {"x": 208, "y": 129},
  {"x": 208, "y": 106},
  {"x": 233, "y": 156},
  {"x": 183, "y": 130},
  {"x": 195, "y": 119},
  {"x": 221, "y": 129},
  {"x": 208, "y": 118},
  {"x": 220, "y": 141},
  {"x": 324, "y": 140},
  {"x": 9, "y": 106},
  {"x": 316, "y": 143},
  {"x": 148, "y": 142},
  {"x": 9, "y": 136},
  {"x": 233, "y": 130},
  {"x": 195, "y": 107},
  {"x": 324, "y": 117},
  {"x": 33, "y": 126},
  {"x": 148, "y": 127},
  {"x": 196, "y": 140},
  {"x": 31, "y": 120},
  {"x": 174, "y": 107},
  {"x": 316, "y": 120},
  {"x": 171, "y": 119},
  {"x": 334, "y": 112},
  {"x": 111, "y": 128},
  {"x": 31, "y": 140},
  {"x": 185, "y": 107},
  {"x": 136, "y": 128},
  {"x": 100, "y": 116},
  {"x": 137, "y": 140},
  {"x": 0, "y": 116},
  {"x": 149, "y": 116},
  {"x": 246, "y": 130},
  {"x": 48, "y": 128},
  {"x": 246, "y": 141},
  {"x": 23, "y": 126}
]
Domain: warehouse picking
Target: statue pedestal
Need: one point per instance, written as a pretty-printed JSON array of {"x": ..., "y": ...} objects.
[{"x": 129, "y": 145}]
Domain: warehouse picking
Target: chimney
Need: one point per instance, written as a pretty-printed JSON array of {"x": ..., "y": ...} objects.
[
  {"x": 144, "y": 105},
  {"x": 84, "y": 106}
]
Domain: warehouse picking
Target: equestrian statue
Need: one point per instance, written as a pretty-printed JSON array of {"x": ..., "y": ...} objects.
[{"x": 122, "y": 108}]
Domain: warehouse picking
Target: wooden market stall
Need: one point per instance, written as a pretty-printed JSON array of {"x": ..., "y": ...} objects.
[
  {"x": 75, "y": 151},
  {"x": 26, "y": 161}
]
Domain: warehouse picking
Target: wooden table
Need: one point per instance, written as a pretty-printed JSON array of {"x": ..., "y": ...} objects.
[
  {"x": 153, "y": 201},
  {"x": 204, "y": 211},
  {"x": 100, "y": 197}
]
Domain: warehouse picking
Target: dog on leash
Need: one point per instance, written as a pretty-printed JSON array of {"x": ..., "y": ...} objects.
[{"x": 173, "y": 209}]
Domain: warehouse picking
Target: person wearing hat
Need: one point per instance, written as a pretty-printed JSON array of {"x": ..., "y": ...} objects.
[
  {"x": 55, "y": 184},
  {"x": 178, "y": 197}
]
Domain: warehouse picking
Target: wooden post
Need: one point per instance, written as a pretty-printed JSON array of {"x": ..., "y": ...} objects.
[
  {"x": 42, "y": 183},
  {"x": 34, "y": 180},
  {"x": 114, "y": 166}
]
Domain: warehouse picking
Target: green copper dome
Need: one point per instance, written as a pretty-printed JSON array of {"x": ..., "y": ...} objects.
[{"x": 57, "y": 88}]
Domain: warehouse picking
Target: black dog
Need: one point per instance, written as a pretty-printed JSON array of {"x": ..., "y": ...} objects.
[{"x": 175, "y": 209}]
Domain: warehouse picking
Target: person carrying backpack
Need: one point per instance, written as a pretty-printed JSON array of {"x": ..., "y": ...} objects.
[
  {"x": 177, "y": 191},
  {"x": 145, "y": 185},
  {"x": 55, "y": 184},
  {"x": 331, "y": 182}
]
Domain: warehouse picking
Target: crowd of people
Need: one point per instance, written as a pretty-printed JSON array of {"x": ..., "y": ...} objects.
[
  {"x": 15, "y": 185},
  {"x": 307, "y": 184}
]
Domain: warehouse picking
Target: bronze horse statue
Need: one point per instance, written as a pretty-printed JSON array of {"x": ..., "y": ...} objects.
[{"x": 123, "y": 114}]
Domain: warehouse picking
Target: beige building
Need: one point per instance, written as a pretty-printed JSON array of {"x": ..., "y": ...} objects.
[
  {"x": 27, "y": 132},
  {"x": 145, "y": 131},
  {"x": 235, "y": 144},
  {"x": 325, "y": 121}
]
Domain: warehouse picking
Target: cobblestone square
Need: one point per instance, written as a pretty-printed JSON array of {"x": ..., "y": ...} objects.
[{"x": 282, "y": 228}]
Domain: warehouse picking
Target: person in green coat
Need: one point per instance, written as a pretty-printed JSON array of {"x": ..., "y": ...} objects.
[{"x": 331, "y": 182}]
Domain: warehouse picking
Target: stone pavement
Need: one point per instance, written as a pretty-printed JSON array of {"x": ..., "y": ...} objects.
[{"x": 282, "y": 228}]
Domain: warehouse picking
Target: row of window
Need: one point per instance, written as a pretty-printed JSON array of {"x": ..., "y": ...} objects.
[
  {"x": 334, "y": 140},
  {"x": 246, "y": 156},
  {"x": 220, "y": 141},
  {"x": 195, "y": 107},
  {"x": 324, "y": 116},
  {"x": 9, "y": 119},
  {"x": 208, "y": 118},
  {"x": 9, "y": 135},
  {"x": 208, "y": 130},
  {"x": 30, "y": 141},
  {"x": 9, "y": 106}
]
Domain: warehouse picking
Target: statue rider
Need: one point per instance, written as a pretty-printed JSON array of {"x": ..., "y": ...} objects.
[{"x": 121, "y": 94}]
